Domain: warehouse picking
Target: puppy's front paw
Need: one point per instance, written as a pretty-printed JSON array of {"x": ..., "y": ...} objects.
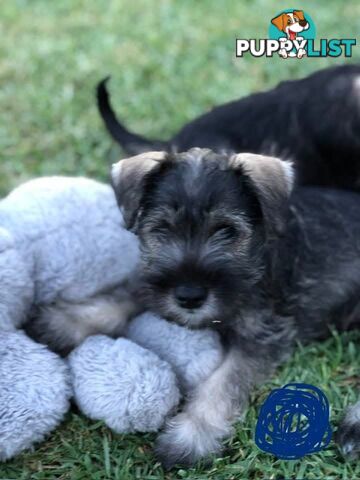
[
  {"x": 301, "y": 53},
  {"x": 348, "y": 433},
  {"x": 283, "y": 53},
  {"x": 185, "y": 441}
]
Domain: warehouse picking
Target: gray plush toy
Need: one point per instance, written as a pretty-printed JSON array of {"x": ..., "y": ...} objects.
[{"x": 63, "y": 240}]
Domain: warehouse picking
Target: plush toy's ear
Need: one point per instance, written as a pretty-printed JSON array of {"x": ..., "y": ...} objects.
[
  {"x": 128, "y": 177},
  {"x": 279, "y": 21},
  {"x": 272, "y": 180}
]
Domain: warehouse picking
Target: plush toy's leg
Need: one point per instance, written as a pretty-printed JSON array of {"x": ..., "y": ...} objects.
[
  {"x": 193, "y": 354},
  {"x": 34, "y": 392},
  {"x": 63, "y": 325},
  {"x": 126, "y": 386}
]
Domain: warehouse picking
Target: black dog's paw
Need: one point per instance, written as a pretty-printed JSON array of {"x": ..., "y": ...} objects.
[{"x": 348, "y": 433}]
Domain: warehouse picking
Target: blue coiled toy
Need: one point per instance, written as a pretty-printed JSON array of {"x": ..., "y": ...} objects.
[{"x": 293, "y": 422}]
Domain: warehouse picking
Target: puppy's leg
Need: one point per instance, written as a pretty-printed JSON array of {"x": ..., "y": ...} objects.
[
  {"x": 348, "y": 434},
  {"x": 283, "y": 53},
  {"x": 207, "y": 417},
  {"x": 301, "y": 53}
]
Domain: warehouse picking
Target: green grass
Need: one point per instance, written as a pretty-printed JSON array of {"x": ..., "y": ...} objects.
[
  {"x": 83, "y": 450},
  {"x": 169, "y": 62}
]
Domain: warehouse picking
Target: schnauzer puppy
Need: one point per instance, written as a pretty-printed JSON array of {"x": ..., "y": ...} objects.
[
  {"x": 314, "y": 121},
  {"x": 222, "y": 246}
]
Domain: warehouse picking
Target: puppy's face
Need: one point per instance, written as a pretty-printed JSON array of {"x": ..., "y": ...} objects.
[
  {"x": 291, "y": 23},
  {"x": 203, "y": 221}
]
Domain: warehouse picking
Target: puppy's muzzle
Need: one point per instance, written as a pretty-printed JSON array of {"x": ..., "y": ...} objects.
[{"x": 190, "y": 296}]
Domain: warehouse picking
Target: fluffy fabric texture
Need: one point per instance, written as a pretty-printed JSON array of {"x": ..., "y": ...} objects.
[
  {"x": 193, "y": 354},
  {"x": 34, "y": 392},
  {"x": 63, "y": 239},
  {"x": 60, "y": 239},
  {"x": 58, "y": 226},
  {"x": 16, "y": 284},
  {"x": 121, "y": 383}
]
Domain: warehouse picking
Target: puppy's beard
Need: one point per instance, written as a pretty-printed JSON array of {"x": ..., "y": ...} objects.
[{"x": 205, "y": 316}]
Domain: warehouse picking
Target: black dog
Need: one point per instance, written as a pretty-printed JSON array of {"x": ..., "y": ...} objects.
[
  {"x": 223, "y": 247},
  {"x": 314, "y": 122}
]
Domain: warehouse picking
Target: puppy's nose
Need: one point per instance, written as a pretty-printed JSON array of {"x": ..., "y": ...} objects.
[
  {"x": 303, "y": 23},
  {"x": 190, "y": 296}
]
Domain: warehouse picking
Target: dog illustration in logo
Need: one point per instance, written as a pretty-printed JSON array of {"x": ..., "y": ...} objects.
[{"x": 291, "y": 24}]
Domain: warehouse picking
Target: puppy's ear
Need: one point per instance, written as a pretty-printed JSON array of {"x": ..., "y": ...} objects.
[
  {"x": 299, "y": 14},
  {"x": 280, "y": 21},
  {"x": 272, "y": 181},
  {"x": 128, "y": 179}
]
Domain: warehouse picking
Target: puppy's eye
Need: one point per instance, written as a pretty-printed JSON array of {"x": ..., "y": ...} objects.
[{"x": 289, "y": 22}]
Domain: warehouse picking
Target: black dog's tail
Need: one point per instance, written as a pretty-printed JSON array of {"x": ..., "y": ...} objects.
[{"x": 130, "y": 142}]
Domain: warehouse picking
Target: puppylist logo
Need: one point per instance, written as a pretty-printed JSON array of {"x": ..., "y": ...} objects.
[{"x": 292, "y": 35}]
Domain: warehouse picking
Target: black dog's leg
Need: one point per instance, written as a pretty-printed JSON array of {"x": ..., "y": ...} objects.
[{"x": 348, "y": 434}]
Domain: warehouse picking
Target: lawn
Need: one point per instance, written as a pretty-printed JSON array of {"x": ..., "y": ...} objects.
[{"x": 169, "y": 61}]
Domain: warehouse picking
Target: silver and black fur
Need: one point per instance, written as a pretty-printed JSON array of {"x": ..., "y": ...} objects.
[
  {"x": 226, "y": 245},
  {"x": 314, "y": 121}
]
